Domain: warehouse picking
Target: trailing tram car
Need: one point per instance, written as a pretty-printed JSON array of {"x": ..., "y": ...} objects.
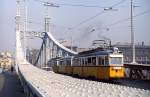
[{"x": 100, "y": 63}]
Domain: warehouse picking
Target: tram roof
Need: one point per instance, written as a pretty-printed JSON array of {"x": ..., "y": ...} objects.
[{"x": 97, "y": 51}]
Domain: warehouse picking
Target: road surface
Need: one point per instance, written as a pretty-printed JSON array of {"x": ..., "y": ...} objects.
[{"x": 10, "y": 85}]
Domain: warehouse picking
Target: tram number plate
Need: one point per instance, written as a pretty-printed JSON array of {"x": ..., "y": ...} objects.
[{"x": 116, "y": 67}]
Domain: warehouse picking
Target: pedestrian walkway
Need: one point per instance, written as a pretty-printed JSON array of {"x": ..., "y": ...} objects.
[{"x": 10, "y": 85}]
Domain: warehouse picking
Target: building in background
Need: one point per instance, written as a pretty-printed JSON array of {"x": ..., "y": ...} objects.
[
  {"x": 6, "y": 60},
  {"x": 142, "y": 53}
]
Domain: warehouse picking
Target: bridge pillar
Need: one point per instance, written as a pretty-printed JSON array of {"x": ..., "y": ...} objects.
[{"x": 44, "y": 52}]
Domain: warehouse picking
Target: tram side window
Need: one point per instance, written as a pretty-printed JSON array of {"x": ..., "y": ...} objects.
[
  {"x": 76, "y": 62},
  {"x": 86, "y": 61},
  {"x": 82, "y": 61},
  {"x": 68, "y": 62},
  {"x": 106, "y": 60},
  {"x": 101, "y": 60},
  {"x": 89, "y": 61},
  {"x": 93, "y": 60}
]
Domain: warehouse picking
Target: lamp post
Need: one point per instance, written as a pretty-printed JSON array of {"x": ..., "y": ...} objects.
[{"x": 132, "y": 34}]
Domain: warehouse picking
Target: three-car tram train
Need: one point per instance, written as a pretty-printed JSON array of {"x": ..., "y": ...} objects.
[{"x": 98, "y": 63}]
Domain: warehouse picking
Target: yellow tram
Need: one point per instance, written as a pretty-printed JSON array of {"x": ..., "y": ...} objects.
[{"x": 98, "y": 63}]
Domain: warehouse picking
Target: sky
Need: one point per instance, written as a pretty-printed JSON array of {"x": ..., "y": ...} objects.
[{"x": 76, "y": 23}]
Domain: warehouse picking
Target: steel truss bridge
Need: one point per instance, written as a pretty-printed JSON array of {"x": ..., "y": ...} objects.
[
  {"x": 41, "y": 83},
  {"x": 50, "y": 48}
]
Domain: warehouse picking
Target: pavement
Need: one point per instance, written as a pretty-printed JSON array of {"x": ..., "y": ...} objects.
[
  {"x": 10, "y": 85},
  {"x": 2, "y": 79}
]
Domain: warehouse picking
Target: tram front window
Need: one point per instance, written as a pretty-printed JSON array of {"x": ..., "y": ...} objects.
[{"x": 116, "y": 60}]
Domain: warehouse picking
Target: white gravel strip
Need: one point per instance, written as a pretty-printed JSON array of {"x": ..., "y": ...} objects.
[{"x": 50, "y": 84}]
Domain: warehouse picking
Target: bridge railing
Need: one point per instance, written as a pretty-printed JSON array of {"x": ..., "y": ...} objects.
[
  {"x": 30, "y": 82},
  {"x": 137, "y": 71},
  {"x": 29, "y": 89}
]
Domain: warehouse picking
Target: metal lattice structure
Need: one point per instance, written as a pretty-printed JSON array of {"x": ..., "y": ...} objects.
[{"x": 51, "y": 48}]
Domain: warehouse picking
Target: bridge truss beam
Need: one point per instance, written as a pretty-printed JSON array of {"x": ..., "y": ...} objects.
[{"x": 50, "y": 49}]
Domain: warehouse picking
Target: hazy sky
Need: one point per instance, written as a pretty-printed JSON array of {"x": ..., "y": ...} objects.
[{"x": 68, "y": 15}]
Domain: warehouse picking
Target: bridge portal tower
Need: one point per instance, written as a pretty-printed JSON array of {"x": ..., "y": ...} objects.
[{"x": 21, "y": 22}]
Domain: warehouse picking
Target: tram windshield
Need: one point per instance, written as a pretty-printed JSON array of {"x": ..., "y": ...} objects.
[{"x": 116, "y": 60}]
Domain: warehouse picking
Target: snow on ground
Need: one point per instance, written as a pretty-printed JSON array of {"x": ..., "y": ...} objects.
[{"x": 50, "y": 84}]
